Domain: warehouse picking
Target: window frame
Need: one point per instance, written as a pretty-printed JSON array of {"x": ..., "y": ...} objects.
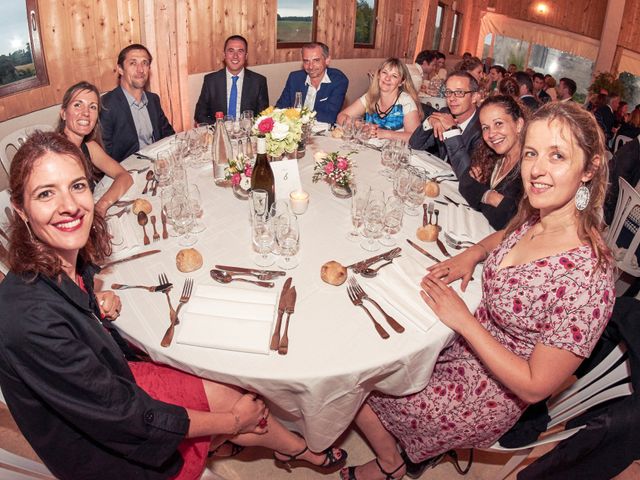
[
  {"x": 456, "y": 27},
  {"x": 41, "y": 77},
  {"x": 374, "y": 26},
  {"x": 314, "y": 22},
  {"x": 444, "y": 11}
]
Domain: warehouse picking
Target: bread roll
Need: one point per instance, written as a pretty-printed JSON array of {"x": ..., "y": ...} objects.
[
  {"x": 188, "y": 260},
  {"x": 333, "y": 273},
  {"x": 428, "y": 233},
  {"x": 141, "y": 205}
]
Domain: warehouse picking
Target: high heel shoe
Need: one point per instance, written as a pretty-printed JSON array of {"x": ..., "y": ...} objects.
[
  {"x": 330, "y": 459},
  {"x": 351, "y": 472},
  {"x": 226, "y": 450}
]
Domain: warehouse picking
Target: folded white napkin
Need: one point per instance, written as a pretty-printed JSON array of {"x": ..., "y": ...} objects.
[
  {"x": 432, "y": 164},
  {"x": 228, "y": 318},
  {"x": 127, "y": 237},
  {"x": 463, "y": 223},
  {"x": 320, "y": 126},
  {"x": 377, "y": 142},
  {"x": 155, "y": 148},
  {"x": 397, "y": 289}
]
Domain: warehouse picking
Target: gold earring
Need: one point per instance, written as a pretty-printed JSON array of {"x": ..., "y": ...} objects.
[{"x": 26, "y": 224}]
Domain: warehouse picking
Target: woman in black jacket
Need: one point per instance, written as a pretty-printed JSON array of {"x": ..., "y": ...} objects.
[
  {"x": 492, "y": 183},
  {"x": 87, "y": 412}
]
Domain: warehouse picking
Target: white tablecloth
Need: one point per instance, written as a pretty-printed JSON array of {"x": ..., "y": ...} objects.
[{"x": 335, "y": 357}]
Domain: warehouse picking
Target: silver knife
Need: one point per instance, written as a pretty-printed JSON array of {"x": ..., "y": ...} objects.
[
  {"x": 252, "y": 271},
  {"x": 144, "y": 157},
  {"x": 129, "y": 258},
  {"x": 290, "y": 307},
  {"x": 442, "y": 248},
  {"x": 423, "y": 251},
  {"x": 275, "y": 338}
]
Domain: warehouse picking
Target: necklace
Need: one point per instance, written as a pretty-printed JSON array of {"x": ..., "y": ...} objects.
[
  {"x": 545, "y": 232},
  {"x": 383, "y": 114}
]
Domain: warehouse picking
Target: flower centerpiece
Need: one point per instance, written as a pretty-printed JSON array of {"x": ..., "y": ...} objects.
[
  {"x": 282, "y": 128},
  {"x": 239, "y": 172},
  {"x": 335, "y": 168}
]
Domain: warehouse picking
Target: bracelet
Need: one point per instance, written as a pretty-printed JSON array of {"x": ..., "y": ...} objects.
[{"x": 236, "y": 424}]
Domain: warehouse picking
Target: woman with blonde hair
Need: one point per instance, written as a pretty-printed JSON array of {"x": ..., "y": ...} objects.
[{"x": 391, "y": 104}]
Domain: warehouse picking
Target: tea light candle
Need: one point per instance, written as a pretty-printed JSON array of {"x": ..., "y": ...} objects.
[{"x": 299, "y": 201}]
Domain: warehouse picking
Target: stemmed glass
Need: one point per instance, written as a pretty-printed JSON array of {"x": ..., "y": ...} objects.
[
  {"x": 166, "y": 194},
  {"x": 259, "y": 200},
  {"x": 163, "y": 167},
  {"x": 358, "y": 126},
  {"x": 392, "y": 222},
  {"x": 359, "y": 200},
  {"x": 387, "y": 155},
  {"x": 181, "y": 215},
  {"x": 263, "y": 237},
  {"x": 373, "y": 221},
  {"x": 196, "y": 205},
  {"x": 246, "y": 122},
  {"x": 347, "y": 132},
  {"x": 287, "y": 236},
  {"x": 401, "y": 182},
  {"x": 415, "y": 193}
]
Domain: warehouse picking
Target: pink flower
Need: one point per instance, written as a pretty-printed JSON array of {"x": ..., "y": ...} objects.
[
  {"x": 235, "y": 179},
  {"x": 342, "y": 163},
  {"x": 266, "y": 125},
  {"x": 247, "y": 171},
  {"x": 328, "y": 168}
]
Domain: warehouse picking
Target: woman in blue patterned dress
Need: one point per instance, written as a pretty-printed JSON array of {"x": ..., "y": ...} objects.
[
  {"x": 390, "y": 105},
  {"x": 547, "y": 294}
]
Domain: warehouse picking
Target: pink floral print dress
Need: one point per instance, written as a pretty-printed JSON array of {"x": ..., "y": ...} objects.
[{"x": 561, "y": 301}]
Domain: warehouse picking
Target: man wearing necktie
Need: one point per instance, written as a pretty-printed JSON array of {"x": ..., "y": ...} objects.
[{"x": 232, "y": 89}]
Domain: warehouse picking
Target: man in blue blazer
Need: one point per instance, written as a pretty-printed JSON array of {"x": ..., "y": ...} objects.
[
  {"x": 131, "y": 117},
  {"x": 218, "y": 95},
  {"x": 323, "y": 89}
]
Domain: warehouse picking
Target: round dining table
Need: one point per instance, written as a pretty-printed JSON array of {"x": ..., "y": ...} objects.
[{"x": 335, "y": 357}]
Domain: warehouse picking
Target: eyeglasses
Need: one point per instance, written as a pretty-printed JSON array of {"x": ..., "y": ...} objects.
[{"x": 457, "y": 93}]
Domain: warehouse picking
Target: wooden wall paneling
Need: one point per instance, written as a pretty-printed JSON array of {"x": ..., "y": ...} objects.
[
  {"x": 630, "y": 32},
  {"x": 262, "y": 32},
  {"x": 82, "y": 46},
  {"x": 419, "y": 14}
]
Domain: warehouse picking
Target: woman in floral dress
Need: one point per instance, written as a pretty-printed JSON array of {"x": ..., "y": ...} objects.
[{"x": 548, "y": 293}]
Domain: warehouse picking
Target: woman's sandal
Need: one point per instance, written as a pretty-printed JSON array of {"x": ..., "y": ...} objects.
[
  {"x": 351, "y": 471},
  {"x": 330, "y": 459},
  {"x": 226, "y": 449}
]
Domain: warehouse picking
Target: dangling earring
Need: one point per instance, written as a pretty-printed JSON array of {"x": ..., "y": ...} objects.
[
  {"x": 26, "y": 224},
  {"x": 582, "y": 197}
]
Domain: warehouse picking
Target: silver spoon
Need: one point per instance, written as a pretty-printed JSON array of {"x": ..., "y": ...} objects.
[
  {"x": 224, "y": 277},
  {"x": 260, "y": 276},
  {"x": 372, "y": 272}
]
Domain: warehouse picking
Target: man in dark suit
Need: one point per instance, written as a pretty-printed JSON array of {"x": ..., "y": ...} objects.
[
  {"x": 323, "y": 89},
  {"x": 131, "y": 117},
  {"x": 526, "y": 91},
  {"x": 606, "y": 117},
  {"x": 565, "y": 89},
  {"x": 218, "y": 93},
  {"x": 538, "y": 88},
  {"x": 455, "y": 130}
]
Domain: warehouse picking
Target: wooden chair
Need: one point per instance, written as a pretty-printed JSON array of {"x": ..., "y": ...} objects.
[
  {"x": 12, "y": 142},
  {"x": 608, "y": 380},
  {"x": 623, "y": 237}
]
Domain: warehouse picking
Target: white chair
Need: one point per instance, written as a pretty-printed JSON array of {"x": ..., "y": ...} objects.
[
  {"x": 619, "y": 141},
  {"x": 625, "y": 227},
  {"x": 12, "y": 142},
  {"x": 15, "y": 467},
  {"x": 603, "y": 383}
]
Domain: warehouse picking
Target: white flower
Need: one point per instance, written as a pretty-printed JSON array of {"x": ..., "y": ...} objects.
[
  {"x": 319, "y": 156},
  {"x": 245, "y": 183},
  {"x": 280, "y": 131}
]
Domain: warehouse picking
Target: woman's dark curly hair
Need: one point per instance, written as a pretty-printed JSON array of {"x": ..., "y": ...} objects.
[
  {"x": 483, "y": 156},
  {"x": 27, "y": 253}
]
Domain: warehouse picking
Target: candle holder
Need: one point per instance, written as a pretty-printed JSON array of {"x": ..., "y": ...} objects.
[{"x": 299, "y": 201}]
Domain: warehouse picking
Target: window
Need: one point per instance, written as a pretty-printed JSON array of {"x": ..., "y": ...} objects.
[
  {"x": 562, "y": 64},
  {"x": 296, "y": 23},
  {"x": 438, "y": 33},
  {"x": 21, "y": 60},
  {"x": 366, "y": 12},
  {"x": 455, "y": 32},
  {"x": 508, "y": 50}
]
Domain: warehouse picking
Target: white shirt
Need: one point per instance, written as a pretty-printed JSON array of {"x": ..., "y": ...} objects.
[
  {"x": 239, "y": 86},
  {"x": 449, "y": 133},
  {"x": 310, "y": 99}
]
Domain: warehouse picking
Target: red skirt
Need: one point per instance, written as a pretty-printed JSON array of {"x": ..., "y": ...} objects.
[{"x": 173, "y": 386}]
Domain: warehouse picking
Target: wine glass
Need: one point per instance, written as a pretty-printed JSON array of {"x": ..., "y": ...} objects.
[
  {"x": 181, "y": 215},
  {"x": 196, "y": 206},
  {"x": 415, "y": 192},
  {"x": 246, "y": 122},
  {"x": 392, "y": 222},
  {"x": 373, "y": 221},
  {"x": 287, "y": 236},
  {"x": 259, "y": 202},
  {"x": 401, "y": 182},
  {"x": 358, "y": 125},
  {"x": 166, "y": 194},
  {"x": 347, "y": 132},
  {"x": 162, "y": 167},
  {"x": 386, "y": 156},
  {"x": 359, "y": 199},
  {"x": 262, "y": 236}
]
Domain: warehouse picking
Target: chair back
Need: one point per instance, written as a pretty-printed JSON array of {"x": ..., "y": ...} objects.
[
  {"x": 619, "y": 141},
  {"x": 623, "y": 237},
  {"x": 10, "y": 144}
]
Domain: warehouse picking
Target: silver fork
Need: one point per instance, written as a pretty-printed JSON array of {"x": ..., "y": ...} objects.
[
  {"x": 162, "y": 278},
  {"x": 359, "y": 267},
  {"x": 187, "y": 289},
  {"x": 362, "y": 295},
  {"x": 357, "y": 301},
  {"x": 457, "y": 244}
]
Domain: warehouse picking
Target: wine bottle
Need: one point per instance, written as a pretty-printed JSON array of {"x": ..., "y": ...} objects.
[
  {"x": 262, "y": 175},
  {"x": 221, "y": 151}
]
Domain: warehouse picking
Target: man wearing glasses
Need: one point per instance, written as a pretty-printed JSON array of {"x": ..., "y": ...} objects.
[{"x": 453, "y": 132}]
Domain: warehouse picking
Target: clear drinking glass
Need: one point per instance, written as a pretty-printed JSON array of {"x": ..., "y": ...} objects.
[
  {"x": 415, "y": 192},
  {"x": 287, "y": 237},
  {"x": 166, "y": 194},
  {"x": 196, "y": 206},
  {"x": 401, "y": 182},
  {"x": 259, "y": 201},
  {"x": 263, "y": 238},
  {"x": 392, "y": 222},
  {"x": 359, "y": 200},
  {"x": 347, "y": 132},
  {"x": 163, "y": 167},
  {"x": 373, "y": 221},
  {"x": 246, "y": 122},
  {"x": 386, "y": 156},
  {"x": 181, "y": 216}
]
